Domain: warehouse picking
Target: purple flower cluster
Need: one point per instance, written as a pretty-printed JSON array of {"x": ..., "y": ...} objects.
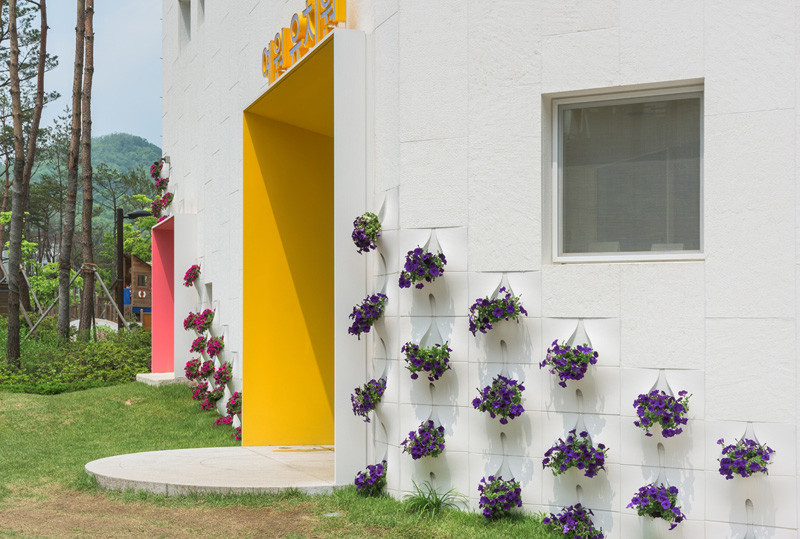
[
  {"x": 498, "y": 496},
  {"x": 367, "y": 397},
  {"x": 234, "y": 404},
  {"x": 366, "y": 229},
  {"x": 215, "y": 346},
  {"x": 207, "y": 405},
  {"x": 365, "y": 314},
  {"x": 199, "y": 344},
  {"x": 658, "y": 502},
  {"x": 434, "y": 360},
  {"x": 421, "y": 266},
  {"x": 224, "y": 374},
  {"x": 666, "y": 410},
  {"x": 188, "y": 322},
  {"x": 191, "y": 275},
  {"x": 744, "y": 458},
  {"x": 428, "y": 440},
  {"x": 237, "y": 434},
  {"x": 155, "y": 169},
  {"x": 576, "y": 452},
  {"x": 574, "y": 522},
  {"x": 503, "y": 398},
  {"x": 485, "y": 312},
  {"x": 569, "y": 363},
  {"x": 371, "y": 481},
  {"x": 161, "y": 183}
]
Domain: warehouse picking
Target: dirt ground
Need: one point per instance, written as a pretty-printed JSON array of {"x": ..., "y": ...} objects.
[{"x": 63, "y": 513}]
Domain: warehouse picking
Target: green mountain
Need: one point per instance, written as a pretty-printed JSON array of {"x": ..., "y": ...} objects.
[{"x": 123, "y": 151}]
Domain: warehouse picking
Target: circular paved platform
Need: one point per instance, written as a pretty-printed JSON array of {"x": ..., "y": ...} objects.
[{"x": 224, "y": 470}]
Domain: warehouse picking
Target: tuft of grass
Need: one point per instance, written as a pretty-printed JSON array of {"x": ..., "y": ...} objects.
[{"x": 426, "y": 500}]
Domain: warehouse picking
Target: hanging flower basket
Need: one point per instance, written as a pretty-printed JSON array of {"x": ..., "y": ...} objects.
[
  {"x": 371, "y": 481},
  {"x": 434, "y": 360},
  {"x": 366, "y": 314},
  {"x": 573, "y": 522},
  {"x": 155, "y": 169},
  {"x": 420, "y": 266},
  {"x": 216, "y": 394},
  {"x": 200, "y": 391},
  {"x": 367, "y": 397},
  {"x": 161, "y": 184},
  {"x": 498, "y": 496},
  {"x": 502, "y": 398},
  {"x": 366, "y": 229},
  {"x": 569, "y": 363},
  {"x": 576, "y": 452},
  {"x": 485, "y": 312},
  {"x": 215, "y": 346},
  {"x": 658, "y": 407},
  {"x": 658, "y": 501},
  {"x": 224, "y": 374},
  {"x": 202, "y": 321},
  {"x": 427, "y": 441},
  {"x": 196, "y": 369},
  {"x": 198, "y": 345},
  {"x": 234, "y": 404},
  {"x": 744, "y": 458},
  {"x": 191, "y": 275}
]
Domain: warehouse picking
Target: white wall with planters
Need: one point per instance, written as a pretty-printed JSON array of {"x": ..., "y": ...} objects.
[{"x": 459, "y": 108}]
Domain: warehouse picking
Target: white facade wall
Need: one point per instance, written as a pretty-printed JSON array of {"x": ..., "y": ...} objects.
[{"x": 458, "y": 110}]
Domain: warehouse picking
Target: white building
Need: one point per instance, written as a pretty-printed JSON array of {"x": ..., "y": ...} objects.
[{"x": 631, "y": 164}]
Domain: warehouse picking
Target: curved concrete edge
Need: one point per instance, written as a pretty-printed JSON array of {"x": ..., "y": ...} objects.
[
  {"x": 220, "y": 470},
  {"x": 170, "y": 489}
]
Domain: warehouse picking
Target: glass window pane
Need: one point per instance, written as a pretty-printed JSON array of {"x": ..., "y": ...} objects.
[{"x": 630, "y": 176}]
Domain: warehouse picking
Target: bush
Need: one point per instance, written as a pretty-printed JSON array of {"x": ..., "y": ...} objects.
[{"x": 49, "y": 367}]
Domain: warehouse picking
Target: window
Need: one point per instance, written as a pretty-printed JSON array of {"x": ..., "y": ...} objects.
[
  {"x": 141, "y": 280},
  {"x": 627, "y": 177}
]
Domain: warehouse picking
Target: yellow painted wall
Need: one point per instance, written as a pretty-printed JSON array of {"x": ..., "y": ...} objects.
[{"x": 288, "y": 353}]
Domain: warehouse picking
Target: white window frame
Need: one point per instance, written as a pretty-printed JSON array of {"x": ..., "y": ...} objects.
[{"x": 556, "y": 177}]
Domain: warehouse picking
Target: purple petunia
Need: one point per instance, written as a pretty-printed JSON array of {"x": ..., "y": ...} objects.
[
  {"x": 367, "y": 397},
  {"x": 427, "y": 441},
  {"x": 576, "y": 452},
  {"x": 659, "y": 407},
  {"x": 574, "y": 522},
  {"x": 658, "y": 501},
  {"x": 502, "y": 398},
  {"x": 498, "y": 496},
  {"x": 371, "y": 481},
  {"x": 420, "y": 266},
  {"x": 191, "y": 275},
  {"x": 569, "y": 363},
  {"x": 744, "y": 458},
  {"x": 366, "y": 229},
  {"x": 366, "y": 314},
  {"x": 482, "y": 312},
  {"x": 434, "y": 360}
]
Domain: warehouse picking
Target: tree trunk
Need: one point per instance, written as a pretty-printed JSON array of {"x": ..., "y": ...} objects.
[
  {"x": 67, "y": 235},
  {"x": 17, "y": 203},
  {"x": 87, "y": 297}
]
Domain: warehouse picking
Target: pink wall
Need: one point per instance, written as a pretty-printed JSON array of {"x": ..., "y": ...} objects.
[{"x": 163, "y": 295}]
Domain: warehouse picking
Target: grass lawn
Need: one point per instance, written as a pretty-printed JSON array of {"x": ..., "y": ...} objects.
[{"x": 47, "y": 440}]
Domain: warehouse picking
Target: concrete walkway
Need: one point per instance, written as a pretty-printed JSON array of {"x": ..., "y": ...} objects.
[{"x": 224, "y": 470}]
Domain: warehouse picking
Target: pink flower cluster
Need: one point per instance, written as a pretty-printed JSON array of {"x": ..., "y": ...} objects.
[
  {"x": 191, "y": 275},
  {"x": 224, "y": 420},
  {"x": 215, "y": 346},
  {"x": 199, "y": 344},
  {"x": 155, "y": 168},
  {"x": 223, "y": 375},
  {"x": 199, "y": 322},
  {"x": 196, "y": 369},
  {"x": 160, "y": 203}
]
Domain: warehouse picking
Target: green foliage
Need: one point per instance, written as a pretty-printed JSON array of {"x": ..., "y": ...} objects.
[
  {"x": 50, "y": 367},
  {"x": 123, "y": 151},
  {"x": 426, "y": 501}
]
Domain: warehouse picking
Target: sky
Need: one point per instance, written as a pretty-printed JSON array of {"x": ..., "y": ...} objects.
[{"x": 126, "y": 90}]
